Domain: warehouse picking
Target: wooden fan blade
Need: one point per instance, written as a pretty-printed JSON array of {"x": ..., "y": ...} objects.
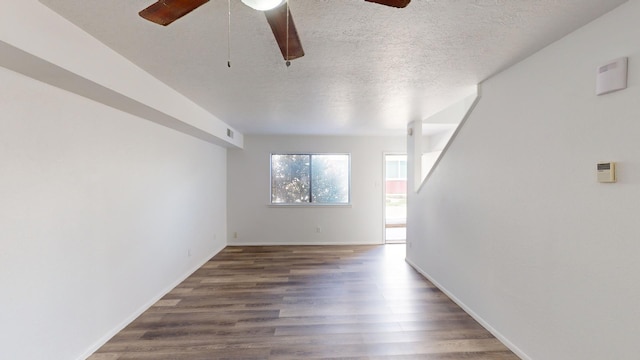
[
  {"x": 277, "y": 19},
  {"x": 164, "y": 12},
  {"x": 394, "y": 3}
]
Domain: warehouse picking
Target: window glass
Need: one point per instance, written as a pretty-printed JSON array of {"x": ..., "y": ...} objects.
[
  {"x": 290, "y": 178},
  {"x": 310, "y": 178},
  {"x": 330, "y": 180},
  {"x": 396, "y": 168}
]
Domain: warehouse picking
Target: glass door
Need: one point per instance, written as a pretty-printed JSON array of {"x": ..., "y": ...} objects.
[{"x": 395, "y": 198}]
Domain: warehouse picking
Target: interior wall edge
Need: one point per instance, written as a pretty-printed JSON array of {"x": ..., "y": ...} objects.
[
  {"x": 454, "y": 135},
  {"x": 41, "y": 70},
  {"x": 471, "y": 313}
]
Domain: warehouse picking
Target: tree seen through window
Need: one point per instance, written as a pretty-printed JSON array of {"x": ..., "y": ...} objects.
[{"x": 310, "y": 178}]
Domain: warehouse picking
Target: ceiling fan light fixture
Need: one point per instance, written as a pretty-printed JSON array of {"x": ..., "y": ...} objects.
[{"x": 263, "y": 5}]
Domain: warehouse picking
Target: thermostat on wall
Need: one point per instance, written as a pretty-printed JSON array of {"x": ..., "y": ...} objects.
[
  {"x": 611, "y": 76},
  {"x": 607, "y": 172}
]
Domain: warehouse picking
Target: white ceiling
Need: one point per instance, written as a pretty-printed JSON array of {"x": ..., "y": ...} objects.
[{"x": 368, "y": 69}]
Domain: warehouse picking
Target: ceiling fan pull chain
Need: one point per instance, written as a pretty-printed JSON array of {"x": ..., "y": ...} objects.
[
  {"x": 288, "y": 62},
  {"x": 229, "y": 37}
]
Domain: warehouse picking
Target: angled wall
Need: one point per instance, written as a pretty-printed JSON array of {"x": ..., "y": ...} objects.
[
  {"x": 512, "y": 223},
  {"x": 37, "y": 42}
]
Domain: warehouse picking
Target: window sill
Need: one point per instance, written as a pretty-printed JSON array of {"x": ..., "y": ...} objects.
[{"x": 309, "y": 205}]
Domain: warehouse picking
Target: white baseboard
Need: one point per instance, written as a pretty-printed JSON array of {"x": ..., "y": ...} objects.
[
  {"x": 471, "y": 313},
  {"x": 275, "y": 243},
  {"x": 103, "y": 340}
]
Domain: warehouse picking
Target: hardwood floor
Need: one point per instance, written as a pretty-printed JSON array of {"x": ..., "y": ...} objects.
[{"x": 305, "y": 302}]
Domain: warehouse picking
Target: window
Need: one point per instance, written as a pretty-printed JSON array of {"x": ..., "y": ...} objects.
[
  {"x": 396, "y": 167},
  {"x": 310, "y": 178}
]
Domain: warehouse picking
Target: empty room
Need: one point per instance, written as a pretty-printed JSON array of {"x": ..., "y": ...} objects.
[{"x": 379, "y": 179}]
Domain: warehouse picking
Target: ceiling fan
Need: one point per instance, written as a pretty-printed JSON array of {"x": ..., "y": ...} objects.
[{"x": 164, "y": 12}]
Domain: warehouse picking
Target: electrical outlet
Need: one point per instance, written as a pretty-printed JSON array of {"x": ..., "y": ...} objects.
[
  {"x": 318, "y": 229},
  {"x": 235, "y": 235},
  {"x": 189, "y": 253}
]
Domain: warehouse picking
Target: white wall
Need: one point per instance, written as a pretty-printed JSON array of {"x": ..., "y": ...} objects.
[
  {"x": 249, "y": 193},
  {"x": 98, "y": 210},
  {"x": 512, "y": 222}
]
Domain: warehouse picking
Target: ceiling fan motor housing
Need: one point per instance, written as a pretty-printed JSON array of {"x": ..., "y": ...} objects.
[{"x": 263, "y": 5}]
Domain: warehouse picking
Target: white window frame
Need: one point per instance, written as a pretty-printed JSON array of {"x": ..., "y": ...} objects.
[{"x": 308, "y": 204}]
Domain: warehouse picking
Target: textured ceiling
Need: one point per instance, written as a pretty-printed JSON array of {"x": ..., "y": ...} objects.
[{"x": 368, "y": 69}]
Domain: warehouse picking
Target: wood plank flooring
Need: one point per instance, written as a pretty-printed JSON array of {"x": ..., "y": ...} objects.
[{"x": 305, "y": 302}]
